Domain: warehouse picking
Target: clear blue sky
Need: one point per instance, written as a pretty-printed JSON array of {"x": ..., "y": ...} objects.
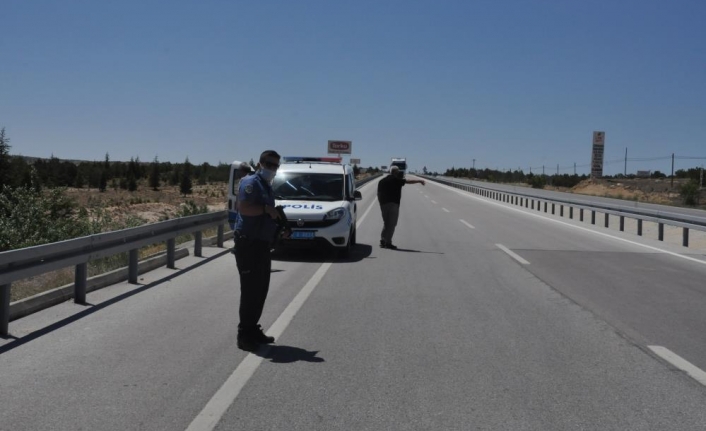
[{"x": 507, "y": 83}]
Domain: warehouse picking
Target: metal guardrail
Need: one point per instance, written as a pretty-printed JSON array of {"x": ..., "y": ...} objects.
[
  {"x": 27, "y": 262},
  {"x": 528, "y": 201}
]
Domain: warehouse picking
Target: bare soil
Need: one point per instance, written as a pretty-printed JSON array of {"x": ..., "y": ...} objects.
[{"x": 656, "y": 191}]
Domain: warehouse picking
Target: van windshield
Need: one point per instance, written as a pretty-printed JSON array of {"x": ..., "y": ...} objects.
[
  {"x": 401, "y": 165},
  {"x": 308, "y": 186}
]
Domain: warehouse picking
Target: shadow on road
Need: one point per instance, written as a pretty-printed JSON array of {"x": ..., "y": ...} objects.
[
  {"x": 313, "y": 255},
  {"x": 287, "y": 354},
  {"x": 90, "y": 308},
  {"x": 409, "y": 250}
]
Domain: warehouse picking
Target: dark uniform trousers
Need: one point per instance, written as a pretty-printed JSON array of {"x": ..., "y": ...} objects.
[
  {"x": 254, "y": 265},
  {"x": 390, "y": 214}
]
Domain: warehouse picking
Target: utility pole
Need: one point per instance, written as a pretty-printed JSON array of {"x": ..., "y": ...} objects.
[
  {"x": 474, "y": 164},
  {"x": 574, "y": 168},
  {"x": 557, "y": 169},
  {"x": 625, "y": 171},
  {"x": 672, "y": 171},
  {"x": 701, "y": 180},
  {"x": 542, "y": 170}
]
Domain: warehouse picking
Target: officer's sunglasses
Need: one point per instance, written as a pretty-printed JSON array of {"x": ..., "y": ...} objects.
[{"x": 270, "y": 165}]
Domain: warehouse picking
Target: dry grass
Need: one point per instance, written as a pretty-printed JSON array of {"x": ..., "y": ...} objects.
[{"x": 149, "y": 205}]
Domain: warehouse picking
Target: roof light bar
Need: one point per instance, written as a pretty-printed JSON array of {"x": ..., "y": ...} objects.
[{"x": 311, "y": 159}]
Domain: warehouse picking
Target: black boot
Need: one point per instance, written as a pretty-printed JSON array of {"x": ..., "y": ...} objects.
[
  {"x": 246, "y": 341},
  {"x": 260, "y": 336}
]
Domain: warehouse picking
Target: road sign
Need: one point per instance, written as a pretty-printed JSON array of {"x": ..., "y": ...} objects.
[
  {"x": 355, "y": 161},
  {"x": 340, "y": 147}
]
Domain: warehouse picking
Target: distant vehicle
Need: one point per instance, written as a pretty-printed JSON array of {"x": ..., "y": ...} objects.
[
  {"x": 319, "y": 198},
  {"x": 400, "y": 163}
]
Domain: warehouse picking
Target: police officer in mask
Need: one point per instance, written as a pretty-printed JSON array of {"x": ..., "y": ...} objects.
[{"x": 254, "y": 230}]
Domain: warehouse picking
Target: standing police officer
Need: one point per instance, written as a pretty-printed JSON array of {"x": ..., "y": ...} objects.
[{"x": 254, "y": 230}]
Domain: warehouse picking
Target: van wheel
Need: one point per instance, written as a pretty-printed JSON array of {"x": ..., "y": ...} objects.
[{"x": 354, "y": 237}]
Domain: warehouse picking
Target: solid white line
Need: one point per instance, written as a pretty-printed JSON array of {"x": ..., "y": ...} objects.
[
  {"x": 216, "y": 407},
  {"x": 224, "y": 397},
  {"x": 446, "y": 210},
  {"x": 467, "y": 224},
  {"x": 512, "y": 254},
  {"x": 692, "y": 370},
  {"x": 426, "y": 196},
  {"x": 433, "y": 202},
  {"x": 649, "y": 247}
]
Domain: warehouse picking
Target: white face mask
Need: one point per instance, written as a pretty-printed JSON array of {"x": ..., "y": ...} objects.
[{"x": 266, "y": 174}]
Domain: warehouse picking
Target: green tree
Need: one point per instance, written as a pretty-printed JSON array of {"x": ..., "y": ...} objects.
[
  {"x": 185, "y": 186},
  {"x": 690, "y": 193},
  {"x": 154, "y": 174},
  {"x": 103, "y": 181},
  {"x": 5, "y": 178},
  {"x": 131, "y": 182}
]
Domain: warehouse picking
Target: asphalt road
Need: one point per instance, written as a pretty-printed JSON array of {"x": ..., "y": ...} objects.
[{"x": 488, "y": 317}]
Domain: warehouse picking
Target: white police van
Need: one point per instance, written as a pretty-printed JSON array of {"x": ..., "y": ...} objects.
[{"x": 319, "y": 198}]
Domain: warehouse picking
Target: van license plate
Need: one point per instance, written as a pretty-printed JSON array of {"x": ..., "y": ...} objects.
[{"x": 302, "y": 234}]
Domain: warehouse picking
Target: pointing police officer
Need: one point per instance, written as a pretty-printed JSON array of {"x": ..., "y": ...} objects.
[{"x": 254, "y": 230}]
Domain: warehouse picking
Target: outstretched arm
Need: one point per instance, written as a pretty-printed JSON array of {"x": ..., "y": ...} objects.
[{"x": 415, "y": 182}]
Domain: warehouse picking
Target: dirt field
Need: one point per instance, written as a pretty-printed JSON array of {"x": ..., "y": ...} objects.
[
  {"x": 656, "y": 191},
  {"x": 150, "y": 205}
]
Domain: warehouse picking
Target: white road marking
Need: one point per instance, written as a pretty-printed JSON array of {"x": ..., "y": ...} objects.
[
  {"x": 433, "y": 202},
  {"x": 649, "y": 247},
  {"x": 467, "y": 224},
  {"x": 216, "y": 407},
  {"x": 446, "y": 210},
  {"x": 692, "y": 370},
  {"x": 512, "y": 254},
  {"x": 426, "y": 196}
]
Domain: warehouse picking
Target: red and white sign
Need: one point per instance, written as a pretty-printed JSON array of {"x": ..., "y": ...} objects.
[{"x": 340, "y": 147}]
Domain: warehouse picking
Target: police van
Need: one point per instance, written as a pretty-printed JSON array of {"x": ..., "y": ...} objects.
[{"x": 319, "y": 198}]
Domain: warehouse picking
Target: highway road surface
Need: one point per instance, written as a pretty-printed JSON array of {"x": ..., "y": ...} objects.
[{"x": 487, "y": 317}]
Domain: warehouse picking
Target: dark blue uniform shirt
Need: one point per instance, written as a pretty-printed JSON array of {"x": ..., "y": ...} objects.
[{"x": 255, "y": 190}]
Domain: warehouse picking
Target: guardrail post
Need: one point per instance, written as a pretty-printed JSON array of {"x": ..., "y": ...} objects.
[
  {"x": 132, "y": 266},
  {"x": 606, "y": 219},
  {"x": 80, "y": 283},
  {"x": 553, "y": 205},
  {"x": 593, "y": 217},
  {"x": 171, "y": 245},
  {"x": 220, "y": 236},
  {"x": 532, "y": 203},
  {"x": 198, "y": 243},
  {"x": 526, "y": 203},
  {"x": 685, "y": 237},
  {"x": 622, "y": 223},
  {"x": 545, "y": 207},
  {"x": 561, "y": 210},
  {"x": 4, "y": 309},
  {"x": 571, "y": 212},
  {"x": 660, "y": 229},
  {"x": 639, "y": 227}
]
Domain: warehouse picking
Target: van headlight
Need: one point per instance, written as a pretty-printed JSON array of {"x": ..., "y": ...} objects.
[{"x": 336, "y": 214}]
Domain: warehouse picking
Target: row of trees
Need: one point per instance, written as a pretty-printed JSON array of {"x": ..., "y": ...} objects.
[
  {"x": 18, "y": 171},
  {"x": 558, "y": 180}
]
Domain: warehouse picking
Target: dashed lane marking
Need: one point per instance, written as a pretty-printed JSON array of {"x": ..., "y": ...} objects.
[
  {"x": 692, "y": 370},
  {"x": 512, "y": 254},
  {"x": 467, "y": 224}
]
